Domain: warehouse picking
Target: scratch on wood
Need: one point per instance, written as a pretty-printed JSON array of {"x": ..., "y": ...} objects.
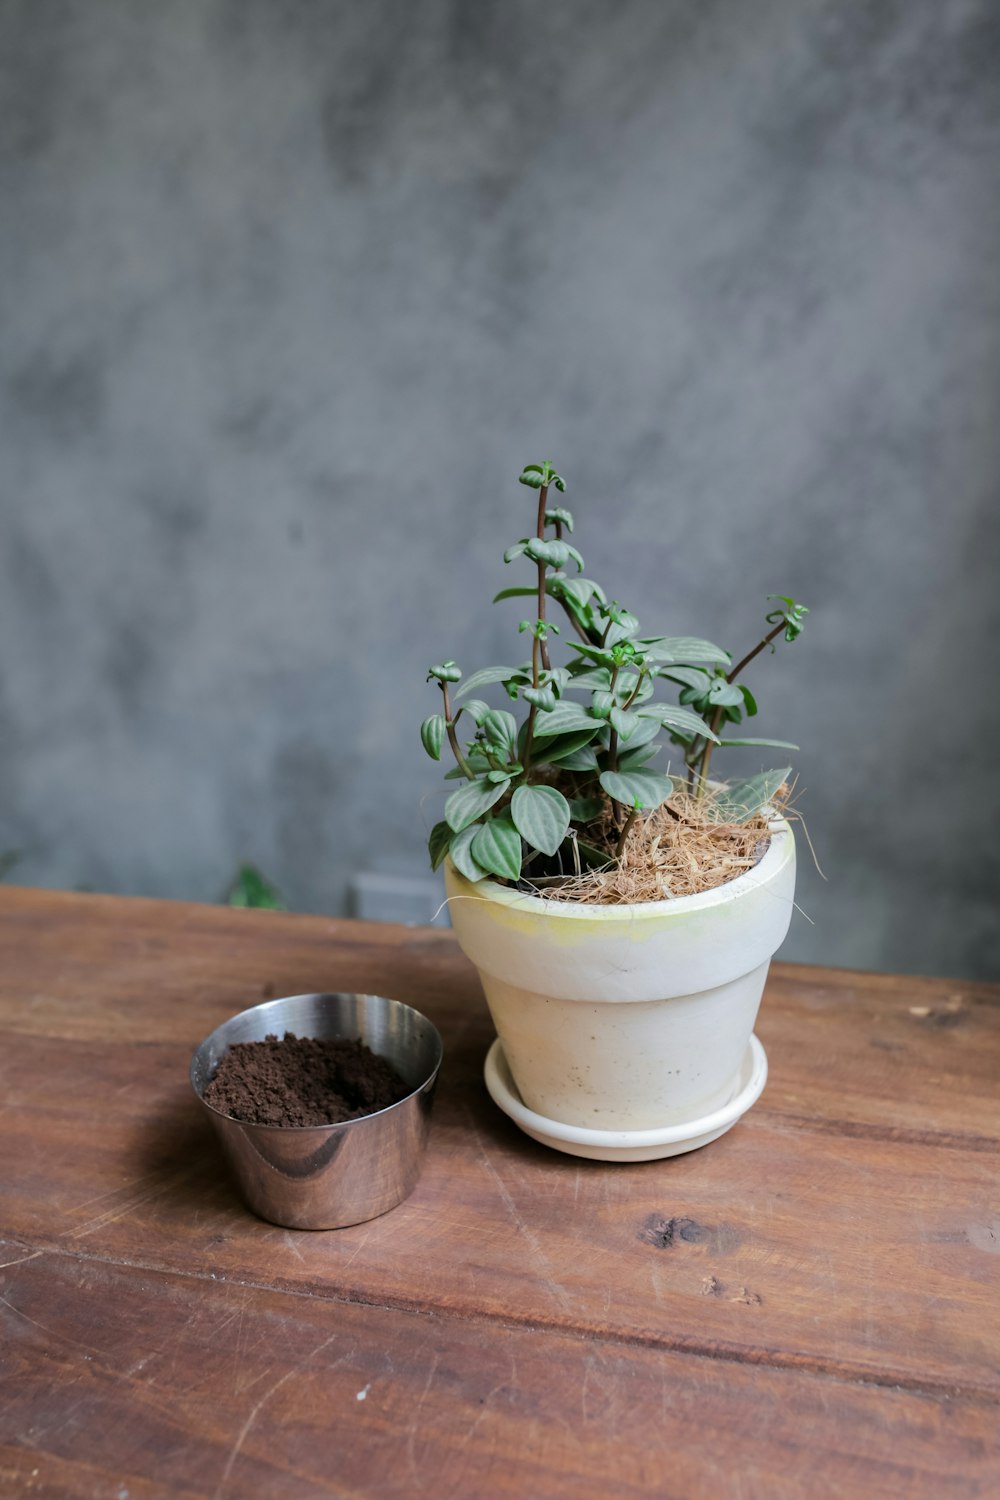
[
  {"x": 101, "y": 1221},
  {"x": 53, "y": 1333},
  {"x": 540, "y": 1257},
  {"x": 244, "y": 1430},
  {"x": 369, "y": 1231},
  {"x": 411, "y": 1436},
  {"x": 23, "y": 1261}
]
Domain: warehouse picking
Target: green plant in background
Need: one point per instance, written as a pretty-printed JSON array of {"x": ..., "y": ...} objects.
[
  {"x": 250, "y": 888},
  {"x": 530, "y": 789}
]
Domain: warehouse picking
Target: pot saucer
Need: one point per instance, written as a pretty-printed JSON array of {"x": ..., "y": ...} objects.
[{"x": 627, "y": 1145}]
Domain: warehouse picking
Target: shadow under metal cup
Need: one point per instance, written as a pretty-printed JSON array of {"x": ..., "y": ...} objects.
[{"x": 329, "y": 1176}]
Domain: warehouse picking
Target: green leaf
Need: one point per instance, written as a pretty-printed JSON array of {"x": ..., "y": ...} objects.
[
  {"x": 516, "y": 551},
  {"x": 642, "y": 789},
  {"x": 631, "y": 759},
  {"x": 500, "y": 729},
  {"x": 750, "y": 702},
  {"x": 541, "y": 816},
  {"x": 644, "y": 733},
  {"x": 497, "y": 848},
  {"x": 555, "y": 554},
  {"x": 574, "y": 554},
  {"x": 432, "y": 732},
  {"x": 476, "y": 709},
  {"x": 684, "y": 648},
  {"x": 563, "y": 719},
  {"x": 555, "y": 751},
  {"x": 793, "y": 616},
  {"x": 590, "y": 680},
  {"x": 558, "y": 513},
  {"x": 477, "y": 761},
  {"x": 601, "y": 703},
  {"x": 689, "y": 677},
  {"x": 626, "y": 722},
  {"x": 724, "y": 694},
  {"x": 437, "y": 844},
  {"x": 520, "y": 592},
  {"x": 532, "y": 476},
  {"x": 771, "y": 744},
  {"x": 445, "y": 671},
  {"x": 592, "y": 856},
  {"x": 559, "y": 483},
  {"x": 585, "y": 809},
  {"x": 739, "y": 801},
  {"x": 584, "y": 759},
  {"x": 672, "y": 716},
  {"x": 594, "y": 653},
  {"x": 580, "y": 590},
  {"x": 460, "y": 853},
  {"x": 486, "y": 675},
  {"x": 623, "y": 625},
  {"x": 543, "y": 698},
  {"x": 471, "y": 801}
]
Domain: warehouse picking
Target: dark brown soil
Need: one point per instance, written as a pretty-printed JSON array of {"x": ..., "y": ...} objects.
[{"x": 302, "y": 1081}]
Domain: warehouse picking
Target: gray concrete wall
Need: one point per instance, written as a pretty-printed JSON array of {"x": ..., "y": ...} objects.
[{"x": 288, "y": 293}]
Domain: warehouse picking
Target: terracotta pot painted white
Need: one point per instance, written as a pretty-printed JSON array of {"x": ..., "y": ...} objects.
[{"x": 627, "y": 1017}]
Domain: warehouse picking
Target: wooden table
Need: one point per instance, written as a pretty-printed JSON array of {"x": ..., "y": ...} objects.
[{"x": 808, "y": 1307}]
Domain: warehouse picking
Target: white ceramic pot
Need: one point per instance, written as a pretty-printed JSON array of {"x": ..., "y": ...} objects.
[{"x": 627, "y": 1017}]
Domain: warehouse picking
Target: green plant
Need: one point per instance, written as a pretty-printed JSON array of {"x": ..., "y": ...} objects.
[
  {"x": 250, "y": 888},
  {"x": 529, "y": 790}
]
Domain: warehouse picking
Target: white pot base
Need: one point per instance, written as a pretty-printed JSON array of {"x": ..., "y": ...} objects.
[{"x": 627, "y": 1145}]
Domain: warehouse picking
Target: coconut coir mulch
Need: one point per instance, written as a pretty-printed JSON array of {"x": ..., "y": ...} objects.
[
  {"x": 302, "y": 1081},
  {"x": 680, "y": 849}
]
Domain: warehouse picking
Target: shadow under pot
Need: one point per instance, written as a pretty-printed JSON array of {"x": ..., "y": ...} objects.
[{"x": 329, "y": 1176}]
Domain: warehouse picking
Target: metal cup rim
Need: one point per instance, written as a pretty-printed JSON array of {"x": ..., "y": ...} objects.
[{"x": 336, "y": 1124}]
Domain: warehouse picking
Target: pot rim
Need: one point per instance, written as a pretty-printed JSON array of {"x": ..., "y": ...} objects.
[{"x": 779, "y": 852}]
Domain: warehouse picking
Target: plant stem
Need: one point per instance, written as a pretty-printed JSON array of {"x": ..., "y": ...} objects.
[
  {"x": 717, "y": 717},
  {"x": 756, "y": 651},
  {"x": 633, "y": 695},
  {"x": 540, "y": 533},
  {"x": 706, "y": 754},
  {"x": 576, "y": 624},
  {"x": 539, "y": 650},
  {"x": 449, "y": 724},
  {"x": 528, "y": 738},
  {"x": 613, "y": 739},
  {"x": 623, "y": 836}
]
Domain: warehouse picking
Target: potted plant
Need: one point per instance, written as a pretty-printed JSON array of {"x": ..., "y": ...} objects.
[{"x": 622, "y": 910}]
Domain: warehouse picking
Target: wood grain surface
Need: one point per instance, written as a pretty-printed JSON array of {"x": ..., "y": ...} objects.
[{"x": 808, "y": 1307}]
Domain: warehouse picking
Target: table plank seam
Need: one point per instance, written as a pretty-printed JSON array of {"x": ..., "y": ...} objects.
[{"x": 845, "y": 1372}]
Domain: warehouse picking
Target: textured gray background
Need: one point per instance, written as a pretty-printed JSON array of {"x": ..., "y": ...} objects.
[{"x": 291, "y": 290}]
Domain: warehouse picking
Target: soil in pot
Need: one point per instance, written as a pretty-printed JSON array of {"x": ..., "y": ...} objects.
[{"x": 295, "y": 1081}]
